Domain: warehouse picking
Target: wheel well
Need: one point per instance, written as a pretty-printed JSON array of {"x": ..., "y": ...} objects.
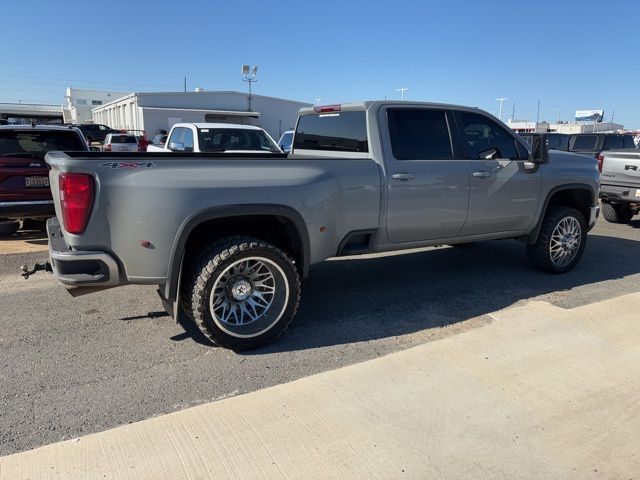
[
  {"x": 275, "y": 229},
  {"x": 580, "y": 199}
]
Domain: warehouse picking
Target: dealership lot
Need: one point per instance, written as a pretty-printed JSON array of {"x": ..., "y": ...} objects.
[{"x": 76, "y": 366}]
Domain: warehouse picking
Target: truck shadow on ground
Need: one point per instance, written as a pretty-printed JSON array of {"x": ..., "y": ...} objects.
[{"x": 358, "y": 299}]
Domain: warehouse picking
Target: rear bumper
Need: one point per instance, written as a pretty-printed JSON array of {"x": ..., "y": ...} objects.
[
  {"x": 614, "y": 193},
  {"x": 79, "y": 268},
  {"x": 27, "y": 209}
]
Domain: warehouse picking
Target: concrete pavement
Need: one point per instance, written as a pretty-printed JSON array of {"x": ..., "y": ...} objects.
[{"x": 540, "y": 392}]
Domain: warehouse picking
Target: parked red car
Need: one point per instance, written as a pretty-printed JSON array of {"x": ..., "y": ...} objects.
[{"x": 24, "y": 176}]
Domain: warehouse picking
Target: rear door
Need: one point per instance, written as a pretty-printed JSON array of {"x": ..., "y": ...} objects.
[
  {"x": 504, "y": 193},
  {"x": 427, "y": 178}
]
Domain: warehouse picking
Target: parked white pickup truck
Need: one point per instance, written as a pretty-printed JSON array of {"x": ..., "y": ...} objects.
[{"x": 217, "y": 137}]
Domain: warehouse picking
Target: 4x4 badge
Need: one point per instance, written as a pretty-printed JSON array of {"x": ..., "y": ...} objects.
[{"x": 128, "y": 164}]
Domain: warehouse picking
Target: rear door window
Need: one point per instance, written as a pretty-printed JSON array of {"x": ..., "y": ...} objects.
[
  {"x": 332, "y": 131},
  {"x": 484, "y": 139},
  {"x": 419, "y": 134},
  {"x": 584, "y": 142},
  {"x": 628, "y": 142},
  {"x": 613, "y": 141}
]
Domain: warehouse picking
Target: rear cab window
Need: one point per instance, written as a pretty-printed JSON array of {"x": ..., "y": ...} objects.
[
  {"x": 123, "y": 139},
  {"x": 334, "y": 131}
]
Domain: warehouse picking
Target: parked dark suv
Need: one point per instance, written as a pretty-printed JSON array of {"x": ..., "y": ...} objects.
[
  {"x": 593, "y": 143},
  {"x": 94, "y": 132},
  {"x": 24, "y": 176},
  {"x": 555, "y": 141}
]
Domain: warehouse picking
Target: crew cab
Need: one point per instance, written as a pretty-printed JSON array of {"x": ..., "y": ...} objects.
[
  {"x": 217, "y": 137},
  {"x": 24, "y": 175},
  {"x": 593, "y": 144},
  {"x": 227, "y": 238},
  {"x": 620, "y": 184}
]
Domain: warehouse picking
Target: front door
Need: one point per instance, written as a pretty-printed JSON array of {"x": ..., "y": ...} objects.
[
  {"x": 505, "y": 190},
  {"x": 427, "y": 180}
]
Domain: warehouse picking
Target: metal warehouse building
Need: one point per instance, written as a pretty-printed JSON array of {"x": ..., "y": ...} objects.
[{"x": 152, "y": 112}]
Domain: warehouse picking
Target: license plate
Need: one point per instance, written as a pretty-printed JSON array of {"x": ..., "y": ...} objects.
[{"x": 36, "y": 181}]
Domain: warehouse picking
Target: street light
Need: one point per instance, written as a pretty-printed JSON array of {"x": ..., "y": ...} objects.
[
  {"x": 318, "y": 101},
  {"x": 401, "y": 90},
  {"x": 249, "y": 75},
  {"x": 501, "y": 100}
]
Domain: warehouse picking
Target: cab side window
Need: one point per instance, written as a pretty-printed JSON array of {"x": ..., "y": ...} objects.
[
  {"x": 484, "y": 139},
  {"x": 419, "y": 134}
]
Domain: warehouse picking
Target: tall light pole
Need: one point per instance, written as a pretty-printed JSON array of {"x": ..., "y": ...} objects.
[
  {"x": 556, "y": 110},
  {"x": 401, "y": 90},
  {"x": 249, "y": 75},
  {"x": 318, "y": 101},
  {"x": 501, "y": 100}
]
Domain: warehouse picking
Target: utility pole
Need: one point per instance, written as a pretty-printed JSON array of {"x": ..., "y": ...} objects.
[
  {"x": 401, "y": 90},
  {"x": 318, "y": 101},
  {"x": 613, "y": 112},
  {"x": 501, "y": 100},
  {"x": 513, "y": 112},
  {"x": 185, "y": 84},
  {"x": 538, "y": 115},
  {"x": 249, "y": 75}
]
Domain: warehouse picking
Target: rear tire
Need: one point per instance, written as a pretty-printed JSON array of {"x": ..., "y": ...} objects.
[
  {"x": 561, "y": 240},
  {"x": 616, "y": 213},
  {"x": 243, "y": 292},
  {"x": 8, "y": 227}
]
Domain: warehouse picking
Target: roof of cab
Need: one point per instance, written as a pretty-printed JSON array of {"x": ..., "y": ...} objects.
[
  {"x": 367, "y": 104},
  {"x": 217, "y": 125}
]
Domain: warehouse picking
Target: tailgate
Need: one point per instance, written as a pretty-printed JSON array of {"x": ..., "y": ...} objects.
[{"x": 621, "y": 168}]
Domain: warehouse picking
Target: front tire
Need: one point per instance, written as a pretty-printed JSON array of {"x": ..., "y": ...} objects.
[
  {"x": 561, "y": 240},
  {"x": 616, "y": 213},
  {"x": 244, "y": 292}
]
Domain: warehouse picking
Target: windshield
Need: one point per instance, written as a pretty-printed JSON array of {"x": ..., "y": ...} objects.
[
  {"x": 285, "y": 141},
  {"x": 39, "y": 142},
  {"x": 223, "y": 139}
]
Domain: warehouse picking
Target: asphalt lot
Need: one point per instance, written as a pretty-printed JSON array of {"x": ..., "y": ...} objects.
[{"x": 74, "y": 366}]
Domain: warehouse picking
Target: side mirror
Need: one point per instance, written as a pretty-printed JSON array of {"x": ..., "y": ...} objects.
[
  {"x": 176, "y": 147},
  {"x": 539, "y": 150}
]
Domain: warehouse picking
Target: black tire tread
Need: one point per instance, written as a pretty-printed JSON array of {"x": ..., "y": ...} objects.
[
  {"x": 616, "y": 213},
  {"x": 205, "y": 264}
]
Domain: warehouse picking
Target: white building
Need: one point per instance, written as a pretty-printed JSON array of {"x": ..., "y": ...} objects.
[
  {"x": 152, "y": 112},
  {"x": 524, "y": 126},
  {"x": 78, "y": 103}
]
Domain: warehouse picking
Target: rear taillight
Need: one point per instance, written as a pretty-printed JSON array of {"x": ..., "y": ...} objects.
[
  {"x": 600, "y": 161},
  {"x": 76, "y": 200}
]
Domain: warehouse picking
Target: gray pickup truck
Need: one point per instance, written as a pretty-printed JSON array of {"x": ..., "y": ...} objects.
[
  {"x": 620, "y": 184},
  {"x": 228, "y": 237}
]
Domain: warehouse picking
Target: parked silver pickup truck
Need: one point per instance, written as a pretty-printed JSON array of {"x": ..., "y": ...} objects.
[
  {"x": 620, "y": 188},
  {"x": 228, "y": 238}
]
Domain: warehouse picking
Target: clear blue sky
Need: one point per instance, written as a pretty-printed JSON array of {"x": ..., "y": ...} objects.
[{"x": 567, "y": 54}]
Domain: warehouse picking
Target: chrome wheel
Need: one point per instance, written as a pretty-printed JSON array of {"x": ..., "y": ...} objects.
[
  {"x": 565, "y": 241},
  {"x": 249, "y": 297}
]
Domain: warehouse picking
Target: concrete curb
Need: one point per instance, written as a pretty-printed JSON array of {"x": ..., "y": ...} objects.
[{"x": 541, "y": 392}]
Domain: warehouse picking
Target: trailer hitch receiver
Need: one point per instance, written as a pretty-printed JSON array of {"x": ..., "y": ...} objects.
[{"x": 44, "y": 267}]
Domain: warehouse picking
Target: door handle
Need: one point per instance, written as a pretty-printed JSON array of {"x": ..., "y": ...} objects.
[
  {"x": 403, "y": 176},
  {"x": 481, "y": 174}
]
